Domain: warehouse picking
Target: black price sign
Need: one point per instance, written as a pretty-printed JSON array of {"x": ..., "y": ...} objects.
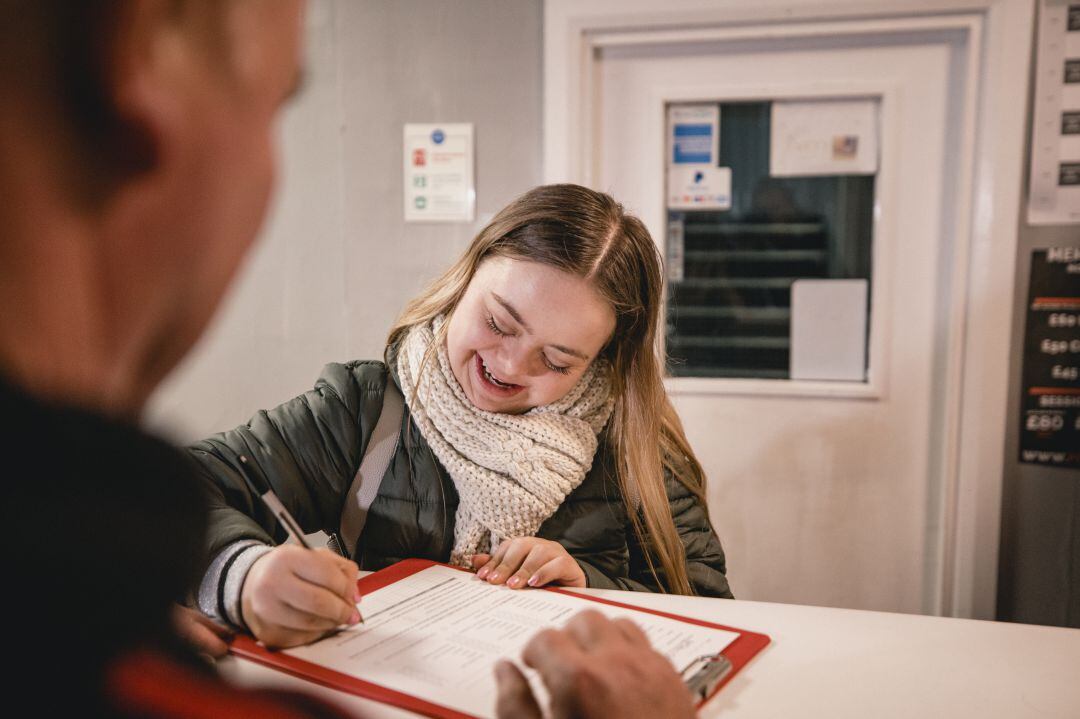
[
  {"x": 1070, "y": 123},
  {"x": 1050, "y": 421}
]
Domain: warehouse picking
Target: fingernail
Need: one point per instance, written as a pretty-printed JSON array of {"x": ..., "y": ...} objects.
[
  {"x": 483, "y": 572},
  {"x": 355, "y": 618},
  {"x": 494, "y": 577},
  {"x": 514, "y": 581},
  {"x": 533, "y": 581},
  {"x": 358, "y": 596}
]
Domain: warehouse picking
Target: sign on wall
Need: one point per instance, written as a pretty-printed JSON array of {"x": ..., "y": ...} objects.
[
  {"x": 439, "y": 184},
  {"x": 699, "y": 188},
  {"x": 1055, "y": 135},
  {"x": 1050, "y": 406},
  {"x": 694, "y": 182},
  {"x": 810, "y": 138},
  {"x": 693, "y": 134}
]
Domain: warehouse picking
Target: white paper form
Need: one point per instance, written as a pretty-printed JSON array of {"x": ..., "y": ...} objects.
[{"x": 437, "y": 635}]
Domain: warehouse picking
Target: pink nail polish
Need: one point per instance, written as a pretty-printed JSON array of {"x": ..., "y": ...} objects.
[
  {"x": 514, "y": 581},
  {"x": 355, "y": 618},
  {"x": 533, "y": 581},
  {"x": 358, "y": 596},
  {"x": 483, "y": 572},
  {"x": 494, "y": 577}
]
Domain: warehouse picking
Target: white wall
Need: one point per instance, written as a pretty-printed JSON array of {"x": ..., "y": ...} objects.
[{"x": 336, "y": 262}]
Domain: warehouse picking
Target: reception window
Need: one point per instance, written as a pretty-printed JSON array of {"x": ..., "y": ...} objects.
[{"x": 769, "y": 239}]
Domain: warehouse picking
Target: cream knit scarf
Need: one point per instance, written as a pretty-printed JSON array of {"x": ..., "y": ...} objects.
[{"x": 511, "y": 471}]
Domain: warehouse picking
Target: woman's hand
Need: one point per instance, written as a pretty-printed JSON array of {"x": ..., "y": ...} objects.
[
  {"x": 529, "y": 561},
  {"x": 294, "y": 595}
]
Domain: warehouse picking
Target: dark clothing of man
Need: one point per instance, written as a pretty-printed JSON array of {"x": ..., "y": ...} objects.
[{"x": 103, "y": 531}]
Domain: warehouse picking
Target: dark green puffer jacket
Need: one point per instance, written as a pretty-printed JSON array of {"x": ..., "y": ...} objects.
[{"x": 310, "y": 448}]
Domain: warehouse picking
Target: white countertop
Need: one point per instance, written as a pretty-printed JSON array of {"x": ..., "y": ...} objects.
[{"x": 843, "y": 663}]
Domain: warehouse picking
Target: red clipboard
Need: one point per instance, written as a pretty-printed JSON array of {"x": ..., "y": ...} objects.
[{"x": 739, "y": 652}]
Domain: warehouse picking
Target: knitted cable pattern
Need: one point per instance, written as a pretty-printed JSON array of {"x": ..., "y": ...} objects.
[{"x": 511, "y": 471}]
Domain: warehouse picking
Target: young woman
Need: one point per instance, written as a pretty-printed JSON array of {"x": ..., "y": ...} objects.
[{"x": 538, "y": 445}]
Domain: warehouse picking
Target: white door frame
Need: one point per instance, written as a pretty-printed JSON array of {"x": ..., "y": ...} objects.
[{"x": 998, "y": 45}]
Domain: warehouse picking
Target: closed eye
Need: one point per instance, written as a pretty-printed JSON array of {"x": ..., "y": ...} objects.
[
  {"x": 495, "y": 328},
  {"x": 502, "y": 333},
  {"x": 556, "y": 368}
]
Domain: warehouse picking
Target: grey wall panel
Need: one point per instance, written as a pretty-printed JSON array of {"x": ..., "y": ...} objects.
[
  {"x": 1039, "y": 566},
  {"x": 405, "y": 61},
  {"x": 1073, "y": 617},
  {"x": 1038, "y": 528},
  {"x": 1038, "y": 576}
]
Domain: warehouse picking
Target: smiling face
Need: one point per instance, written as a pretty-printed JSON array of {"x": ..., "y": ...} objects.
[{"x": 524, "y": 333}]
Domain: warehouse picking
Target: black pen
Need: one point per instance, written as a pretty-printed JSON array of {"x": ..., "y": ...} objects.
[{"x": 270, "y": 499}]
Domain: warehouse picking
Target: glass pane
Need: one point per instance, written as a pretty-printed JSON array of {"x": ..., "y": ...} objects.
[{"x": 730, "y": 272}]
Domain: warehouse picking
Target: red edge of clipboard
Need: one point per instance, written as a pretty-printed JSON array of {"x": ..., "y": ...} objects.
[{"x": 739, "y": 652}]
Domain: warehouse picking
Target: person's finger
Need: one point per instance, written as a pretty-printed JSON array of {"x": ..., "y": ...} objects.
[
  {"x": 496, "y": 557},
  {"x": 477, "y": 561},
  {"x": 201, "y": 633},
  {"x": 318, "y": 601},
  {"x": 205, "y": 641},
  {"x": 323, "y": 555},
  {"x": 219, "y": 629},
  {"x": 551, "y": 651},
  {"x": 590, "y": 628},
  {"x": 352, "y": 595},
  {"x": 282, "y": 638},
  {"x": 632, "y": 632},
  {"x": 559, "y": 569},
  {"x": 538, "y": 556},
  {"x": 285, "y": 617},
  {"x": 511, "y": 561},
  {"x": 352, "y": 573},
  {"x": 321, "y": 569},
  {"x": 515, "y": 698},
  {"x": 563, "y": 668},
  {"x": 342, "y": 561}
]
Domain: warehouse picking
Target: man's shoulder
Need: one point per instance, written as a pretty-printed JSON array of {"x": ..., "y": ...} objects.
[
  {"x": 70, "y": 441},
  {"x": 101, "y": 517}
]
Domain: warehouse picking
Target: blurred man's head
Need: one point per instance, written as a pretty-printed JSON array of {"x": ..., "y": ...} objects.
[{"x": 137, "y": 139}]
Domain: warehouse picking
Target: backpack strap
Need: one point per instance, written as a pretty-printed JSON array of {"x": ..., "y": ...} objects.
[{"x": 380, "y": 452}]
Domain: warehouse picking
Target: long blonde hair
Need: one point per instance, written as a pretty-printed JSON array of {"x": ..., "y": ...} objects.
[{"x": 587, "y": 234}]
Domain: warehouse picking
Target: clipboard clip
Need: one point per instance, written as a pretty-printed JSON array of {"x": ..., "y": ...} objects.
[{"x": 703, "y": 674}]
